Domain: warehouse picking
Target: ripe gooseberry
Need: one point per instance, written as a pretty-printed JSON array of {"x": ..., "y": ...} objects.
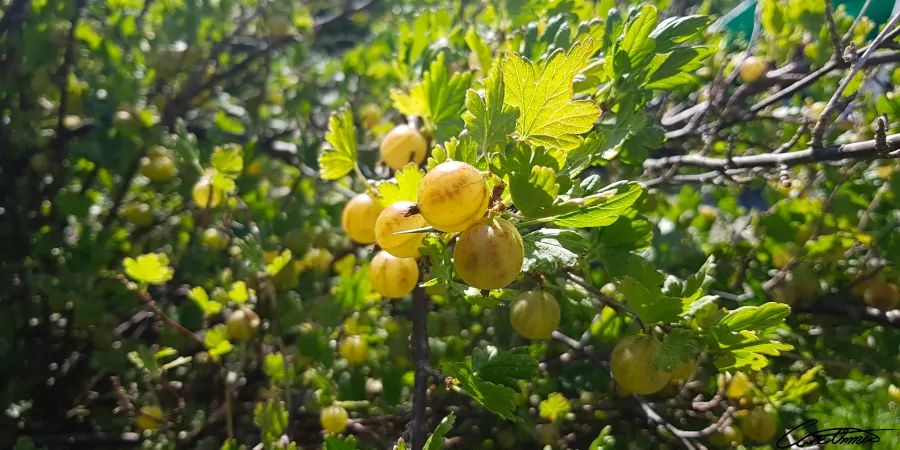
[
  {"x": 391, "y": 276},
  {"x": 535, "y": 314},
  {"x": 399, "y": 217},
  {"x": 354, "y": 349},
  {"x": 242, "y": 324},
  {"x": 358, "y": 218},
  {"x": 882, "y": 295},
  {"x": 759, "y": 425},
  {"x": 489, "y": 254},
  {"x": 453, "y": 196},
  {"x": 633, "y": 366},
  {"x": 334, "y": 419},
  {"x": 402, "y": 145},
  {"x": 149, "y": 418},
  {"x": 752, "y": 69},
  {"x": 206, "y": 195}
]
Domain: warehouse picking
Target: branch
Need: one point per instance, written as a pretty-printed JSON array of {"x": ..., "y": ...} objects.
[
  {"x": 419, "y": 341},
  {"x": 824, "y": 70},
  {"x": 819, "y": 129},
  {"x": 14, "y": 12},
  {"x": 858, "y": 150},
  {"x": 606, "y": 300}
]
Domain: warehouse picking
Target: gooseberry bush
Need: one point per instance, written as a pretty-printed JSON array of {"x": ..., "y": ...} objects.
[{"x": 395, "y": 224}]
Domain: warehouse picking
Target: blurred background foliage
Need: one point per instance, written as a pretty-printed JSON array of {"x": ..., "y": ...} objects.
[{"x": 111, "y": 111}]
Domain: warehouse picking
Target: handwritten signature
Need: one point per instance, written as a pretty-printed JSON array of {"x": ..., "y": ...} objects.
[{"x": 845, "y": 435}]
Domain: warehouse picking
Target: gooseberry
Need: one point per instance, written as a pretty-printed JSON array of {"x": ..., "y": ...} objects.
[
  {"x": 242, "y": 324},
  {"x": 752, "y": 69},
  {"x": 402, "y": 145},
  {"x": 354, "y": 349},
  {"x": 358, "y": 218},
  {"x": 453, "y": 196},
  {"x": 535, "y": 314},
  {"x": 399, "y": 217},
  {"x": 882, "y": 295},
  {"x": 391, "y": 276},
  {"x": 489, "y": 254},
  {"x": 633, "y": 366},
  {"x": 334, "y": 419},
  {"x": 138, "y": 214},
  {"x": 759, "y": 425}
]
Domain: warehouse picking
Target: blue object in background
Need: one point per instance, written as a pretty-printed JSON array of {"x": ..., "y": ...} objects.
[{"x": 740, "y": 20}]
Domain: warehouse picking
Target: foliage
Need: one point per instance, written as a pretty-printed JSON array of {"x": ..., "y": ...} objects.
[{"x": 653, "y": 190}]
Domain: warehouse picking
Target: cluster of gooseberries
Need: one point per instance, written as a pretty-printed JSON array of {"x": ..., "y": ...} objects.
[{"x": 453, "y": 197}]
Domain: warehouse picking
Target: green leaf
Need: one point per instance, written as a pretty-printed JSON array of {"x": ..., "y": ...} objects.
[
  {"x": 340, "y": 158},
  {"x": 677, "y": 29},
  {"x": 488, "y": 120},
  {"x": 532, "y": 179},
  {"x": 228, "y": 124},
  {"x": 580, "y": 158},
  {"x": 439, "y": 98},
  {"x": 604, "y": 440},
  {"x": 755, "y": 317},
  {"x": 543, "y": 95},
  {"x": 278, "y": 263},
  {"x": 340, "y": 443},
  {"x": 228, "y": 160},
  {"x": 405, "y": 186},
  {"x": 477, "y": 46},
  {"x": 491, "y": 377},
  {"x": 636, "y": 41},
  {"x": 239, "y": 293},
  {"x": 555, "y": 407},
  {"x": 648, "y": 301},
  {"x": 464, "y": 149},
  {"x": 150, "y": 268},
  {"x": 678, "y": 345},
  {"x": 745, "y": 350},
  {"x": 504, "y": 367},
  {"x": 602, "y": 210},
  {"x": 271, "y": 417},
  {"x": 216, "y": 341},
  {"x": 436, "y": 440},
  {"x": 548, "y": 250},
  {"x": 696, "y": 284},
  {"x": 201, "y": 298}
]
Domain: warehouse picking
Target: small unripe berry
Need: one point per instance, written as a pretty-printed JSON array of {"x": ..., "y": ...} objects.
[
  {"x": 402, "y": 145},
  {"x": 138, "y": 214},
  {"x": 633, "y": 366},
  {"x": 760, "y": 425},
  {"x": 535, "y": 315},
  {"x": 215, "y": 238},
  {"x": 354, "y": 349},
  {"x": 242, "y": 324}
]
